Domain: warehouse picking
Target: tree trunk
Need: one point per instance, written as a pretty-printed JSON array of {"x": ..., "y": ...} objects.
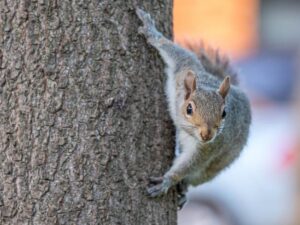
[{"x": 83, "y": 116}]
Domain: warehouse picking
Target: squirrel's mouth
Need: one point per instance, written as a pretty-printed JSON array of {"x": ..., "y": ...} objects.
[{"x": 206, "y": 140}]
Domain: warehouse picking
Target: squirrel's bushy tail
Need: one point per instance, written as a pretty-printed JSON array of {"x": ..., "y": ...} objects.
[{"x": 213, "y": 62}]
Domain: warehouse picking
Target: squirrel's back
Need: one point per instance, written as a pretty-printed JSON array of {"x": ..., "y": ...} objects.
[{"x": 213, "y": 62}]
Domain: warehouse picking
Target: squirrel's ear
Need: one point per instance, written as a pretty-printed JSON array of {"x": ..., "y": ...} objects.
[
  {"x": 224, "y": 87},
  {"x": 189, "y": 83}
]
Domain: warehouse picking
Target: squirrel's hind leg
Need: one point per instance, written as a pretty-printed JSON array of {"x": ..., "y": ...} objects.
[
  {"x": 148, "y": 29},
  {"x": 172, "y": 54},
  {"x": 181, "y": 188}
]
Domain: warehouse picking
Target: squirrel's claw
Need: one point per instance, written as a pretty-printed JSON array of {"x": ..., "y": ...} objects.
[
  {"x": 145, "y": 17},
  {"x": 161, "y": 186},
  {"x": 181, "y": 201},
  {"x": 155, "y": 180},
  {"x": 155, "y": 191}
]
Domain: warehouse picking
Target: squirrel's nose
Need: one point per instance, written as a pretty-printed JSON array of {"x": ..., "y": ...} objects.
[{"x": 205, "y": 134}]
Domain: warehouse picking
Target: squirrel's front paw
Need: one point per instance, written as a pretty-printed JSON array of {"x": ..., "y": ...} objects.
[{"x": 158, "y": 186}]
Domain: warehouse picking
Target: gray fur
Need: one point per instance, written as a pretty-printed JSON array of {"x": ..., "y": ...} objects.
[{"x": 197, "y": 162}]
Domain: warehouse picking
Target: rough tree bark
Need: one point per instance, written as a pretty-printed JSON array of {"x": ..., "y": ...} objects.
[{"x": 83, "y": 117}]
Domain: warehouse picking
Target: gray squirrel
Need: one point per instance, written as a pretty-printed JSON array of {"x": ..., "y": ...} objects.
[{"x": 211, "y": 115}]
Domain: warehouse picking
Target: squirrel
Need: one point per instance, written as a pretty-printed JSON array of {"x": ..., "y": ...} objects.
[{"x": 210, "y": 112}]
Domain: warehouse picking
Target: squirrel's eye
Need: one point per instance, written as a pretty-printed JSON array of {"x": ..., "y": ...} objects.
[
  {"x": 189, "y": 109},
  {"x": 223, "y": 114}
]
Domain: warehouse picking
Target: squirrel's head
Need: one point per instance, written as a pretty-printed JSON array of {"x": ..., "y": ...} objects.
[{"x": 204, "y": 110}]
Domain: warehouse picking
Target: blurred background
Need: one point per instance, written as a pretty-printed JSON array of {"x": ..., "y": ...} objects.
[{"x": 262, "y": 37}]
